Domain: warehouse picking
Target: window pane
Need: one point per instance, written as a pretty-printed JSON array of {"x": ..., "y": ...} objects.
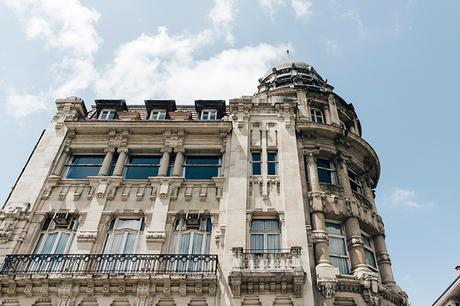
[
  {"x": 271, "y": 225},
  {"x": 87, "y": 160},
  {"x": 145, "y": 160},
  {"x": 324, "y": 176},
  {"x": 206, "y": 172},
  {"x": 257, "y": 242},
  {"x": 257, "y": 225},
  {"x": 256, "y": 169},
  {"x": 366, "y": 241},
  {"x": 256, "y": 157},
  {"x": 197, "y": 243},
  {"x": 62, "y": 243},
  {"x": 370, "y": 258},
  {"x": 81, "y": 172},
  {"x": 202, "y": 160},
  {"x": 273, "y": 242},
  {"x": 140, "y": 172},
  {"x": 184, "y": 243},
  {"x": 341, "y": 263},
  {"x": 117, "y": 244},
  {"x": 49, "y": 243},
  {"x": 337, "y": 246},
  {"x": 323, "y": 163},
  {"x": 111, "y": 115},
  {"x": 333, "y": 228},
  {"x": 271, "y": 156},
  {"x": 130, "y": 243},
  {"x": 271, "y": 168},
  {"x": 133, "y": 224}
]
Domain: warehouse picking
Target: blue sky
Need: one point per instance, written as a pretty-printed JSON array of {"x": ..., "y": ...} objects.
[{"x": 397, "y": 61}]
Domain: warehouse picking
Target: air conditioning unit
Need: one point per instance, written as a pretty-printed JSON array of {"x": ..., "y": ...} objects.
[
  {"x": 62, "y": 219},
  {"x": 193, "y": 220}
]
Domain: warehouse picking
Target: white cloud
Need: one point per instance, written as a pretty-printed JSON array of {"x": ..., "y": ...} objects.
[
  {"x": 302, "y": 8},
  {"x": 20, "y": 105},
  {"x": 222, "y": 16},
  {"x": 407, "y": 198},
  {"x": 332, "y": 48},
  {"x": 355, "y": 17},
  {"x": 163, "y": 66}
]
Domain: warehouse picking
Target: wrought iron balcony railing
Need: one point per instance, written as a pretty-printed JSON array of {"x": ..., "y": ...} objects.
[
  {"x": 109, "y": 264},
  {"x": 279, "y": 260}
]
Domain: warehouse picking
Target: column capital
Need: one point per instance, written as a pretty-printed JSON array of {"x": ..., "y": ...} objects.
[
  {"x": 166, "y": 149},
  {"x": 179, "y": 150},
  {"x": 109, "y": 149},
  {"x": 311, "y": 151},
  {"x": 123, "y": 150}
]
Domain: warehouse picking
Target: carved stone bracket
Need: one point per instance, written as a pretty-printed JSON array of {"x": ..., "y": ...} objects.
[
  {"x": 327, "y": 288},
  {"x": 9, "y": 218},
  {"x": 155, "y": 236},
  {"x": 87, "y": 236}
]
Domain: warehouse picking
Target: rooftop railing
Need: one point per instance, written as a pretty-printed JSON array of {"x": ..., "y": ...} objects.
[{"x": 109, "y": 264}]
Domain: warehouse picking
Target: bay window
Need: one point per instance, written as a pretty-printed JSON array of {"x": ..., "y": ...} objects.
[
  {"x": 338, "y": 252},
  {"x": 265, "y": 235}
]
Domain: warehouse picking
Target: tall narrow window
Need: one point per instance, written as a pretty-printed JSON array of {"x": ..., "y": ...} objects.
[
  {"x": 354, "y": 182},
  {"x": 158, "y": 115},
  {"x": 107, "y": 114},
  {"x": 82, "y": 166},
  {"x": 202, "y": 167},
  {"x": 209, "y": 115},
  {"x": 272, "y": 163},
  {"x": 326, "y": 171},
  {"x": 123, "y": 236},
  {"x": 141, "y": 167},
  {"x": 172, "y": 157},
  {"x": 317, "y": 115},
  {"x": 265, "y": 235},
  {"x": 57, "y": 234},
  {"x": 369, "y": 252},
  {"x": 192, "y": 235},
  {"x": 338, "y": 247},
  {"x": 256, "y": 163}
]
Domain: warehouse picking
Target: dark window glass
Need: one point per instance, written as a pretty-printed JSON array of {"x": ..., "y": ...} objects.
[
  {"x": 141, "y": 167},
  {"x": 256, "y": 164},
  {"x": 324, "y": 176},
  {"x": 354, "y": 182},
  {"x": 172, "y": 157},
  {"x": 326, "y": 171},
  {"x": 272, "y": 163},
  {"x": 202, "y": 167},
  {"x": 82, "y": 166}
]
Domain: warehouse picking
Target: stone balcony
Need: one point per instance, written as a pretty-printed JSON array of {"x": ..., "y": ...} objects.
[{"x": 272, "y": 272}]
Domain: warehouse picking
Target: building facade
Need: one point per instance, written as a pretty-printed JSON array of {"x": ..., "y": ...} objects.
[
  {"x": 265, "y": 201},
  {"x": 450, "y": 296}
]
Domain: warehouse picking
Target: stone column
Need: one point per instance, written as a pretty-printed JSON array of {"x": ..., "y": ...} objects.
[
  {"x": 61, "y": 163},
  {"x": 383, "y": 260},
  {"x": 312, "y": 171},
  {"x": 178, "y": 162},
  {"x": 164, "y": 165},
  {"x": 327, "y": 115},
  {"x": 119, "y": 166},
  {"x": 309, "y": 110},
  {"x": 107, "y": 162}
]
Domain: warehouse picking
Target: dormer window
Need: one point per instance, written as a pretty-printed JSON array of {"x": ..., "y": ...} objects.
[
  {"x": 209, "y": 115},
  {"x": 157, "y": 115},
  {"x": 107, "y": 114},
  {"x": 317, "y": 115}
]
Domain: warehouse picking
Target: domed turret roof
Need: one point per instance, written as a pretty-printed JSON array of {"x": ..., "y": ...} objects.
[{"x": 292, "y": 73}]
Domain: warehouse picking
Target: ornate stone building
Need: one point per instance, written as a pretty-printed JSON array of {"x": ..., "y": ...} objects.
[{"x": 265, "y": 201}]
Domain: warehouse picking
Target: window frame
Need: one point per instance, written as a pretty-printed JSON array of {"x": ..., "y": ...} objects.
[
  {"x": 316, "y": 113},
  {"x": 107, "y": 112},
  {"x": 112, "y": 231},
  {"x": 178, "y": 232},
  {"x": 185, "y": 165},
  {"x": 254, "y": 162},
  {"x": 51, "y": 228},
  {"x": 355, "y": 181},
  {"x": 129, "y": 165},
  {"x": 163, "y": 113},
  {"x": 370, "y": 248},
  {"x": 272, "y": 162},
  {"x": 342, "y": 236},
  {"x": 332, "y": 170},
  {"x": 209, "y": 113},
  {"x": 265, "y": 234},
  {"x": 70, "y": 164}
]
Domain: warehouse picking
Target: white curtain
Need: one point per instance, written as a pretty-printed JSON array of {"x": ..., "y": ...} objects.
[
  {"x": 257, "y": 241},
  {"x": 184, "y": 243},
  {"x": 197, "y": 243},
  {"x": 62, "y": 243},
  {"x": 273, "y": 242},
  {"x": 337, "y": 246},
  {"x": 49, "y": 243}
]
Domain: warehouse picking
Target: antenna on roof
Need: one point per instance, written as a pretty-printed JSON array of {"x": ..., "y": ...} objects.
[{"x": 288, "y": 53}]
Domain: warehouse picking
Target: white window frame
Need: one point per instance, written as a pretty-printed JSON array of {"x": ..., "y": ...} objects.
[
  {"x": 371, "y": 249},
  {"x": 357, "y": 182},
  {"x": 208, "y": 115},
  {"x": 105, "y": 114},
  {"x": 70, "y": 164},
  {"x": 316, "y": 114},
  {"x": 108, "y": 245},
  {"x": 332, "y": 170},
  {"x": 265, "y": 234},
  {"x": 343, "y": 236},
  {"x": 178, "y": 233},
  {"x": 53, "y": 228},
  {"x": 158, "y": 115}
]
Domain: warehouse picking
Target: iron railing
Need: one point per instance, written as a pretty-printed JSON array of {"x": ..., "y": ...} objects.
[{"x": 109, "y": 264}]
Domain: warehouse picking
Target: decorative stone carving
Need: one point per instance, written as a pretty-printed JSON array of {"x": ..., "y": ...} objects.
[
  {"x": 155, "y": 236},
  {"x": 327, "y": 288},
  {"x": 87, "y": 236},
  {"x": 9, "y": 217}
]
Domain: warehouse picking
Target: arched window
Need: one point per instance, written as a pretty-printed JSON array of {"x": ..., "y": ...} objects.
[
  {"x": 57, "y": 234},
  {"x": 123, "y": 236},
  {"x": 192, "y": 235}
]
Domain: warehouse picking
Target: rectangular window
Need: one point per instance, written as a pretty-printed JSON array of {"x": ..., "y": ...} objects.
[
  {"x": 265, "y": 235},
  {"x": 107, "y": 114},
  {"x": 326, "y": 172},
  {"x": 369, "y": 252},
  {"x": 82, "y": 166},
  {"x": 338, "y": 252},
  {"x": 209, "y": 115},
  {"x": 123, "y": 236},
  {"x": 141, "y": 167},
  {"x": 202, "y": 167},
  {"x": 256, "y": 163},
  {"x": 354, "y": 182},
  {"x": 317, "y": 115},
  {"x": 158, "y": 115},
  {"x": 272, "y": 163}
]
